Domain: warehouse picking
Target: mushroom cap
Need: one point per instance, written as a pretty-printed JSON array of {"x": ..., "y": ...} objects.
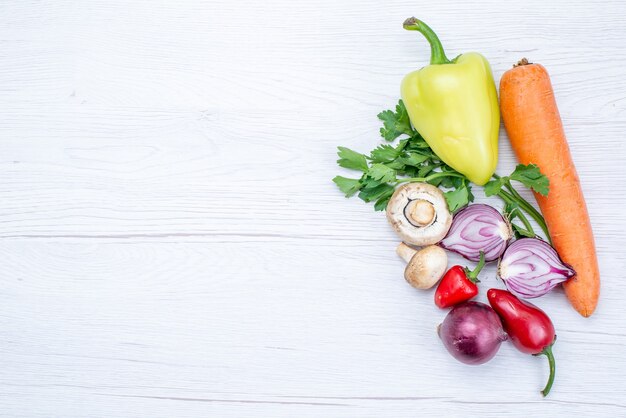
[
  {"x": 426, "y": 267},
  {"x": 410, "y": 226}
]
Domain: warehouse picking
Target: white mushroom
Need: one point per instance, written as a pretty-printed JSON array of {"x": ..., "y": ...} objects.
[
  {"x": 424, "y": 267},
  {"x": 418, "y": 212}
]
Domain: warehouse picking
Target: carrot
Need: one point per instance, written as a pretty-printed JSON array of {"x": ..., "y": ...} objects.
[{"x": 533, "y": 124}]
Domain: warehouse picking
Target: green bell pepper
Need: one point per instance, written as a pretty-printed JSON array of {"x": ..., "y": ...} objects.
[{"x": 453, "y": 104}]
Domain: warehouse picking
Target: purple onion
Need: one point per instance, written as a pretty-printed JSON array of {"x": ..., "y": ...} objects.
[
  {"x": 530, "y": 268},
  {"x": 478, "y": 228},
  {"x": 472, "y": 332}
]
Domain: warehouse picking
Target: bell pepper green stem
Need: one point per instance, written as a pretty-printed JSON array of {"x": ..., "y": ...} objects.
[
  {"x": 548, "y": 352},
  {"x": 431, "y": 177},
  {"x": 473, "y": 275},
  {"x": 437, "y": 54}
]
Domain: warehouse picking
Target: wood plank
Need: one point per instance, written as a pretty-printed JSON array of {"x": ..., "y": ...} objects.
[{"x": 172, "y": 244}]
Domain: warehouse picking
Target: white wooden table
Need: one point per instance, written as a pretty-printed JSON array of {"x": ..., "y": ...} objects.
[{"x": 171, "y": 243}]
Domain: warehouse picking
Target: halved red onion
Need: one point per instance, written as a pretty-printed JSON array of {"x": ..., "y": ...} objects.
[
  {"x": 530, "y": 268},
  {"x": 477, "y": 228}
]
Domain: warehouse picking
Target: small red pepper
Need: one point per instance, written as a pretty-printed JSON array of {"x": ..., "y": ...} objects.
[
  {"x": 458, "y": 285},
  {"x": 529, "y": 328}
]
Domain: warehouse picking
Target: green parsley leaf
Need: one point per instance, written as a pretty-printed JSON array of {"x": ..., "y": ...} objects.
[
  {"x": 351, "y": 159},
  {"x": 395, "y": 123},
  {"x": 375, "y": 193},
  {"x": 470, "y": 195},
  {"x": 458, "y": 198},
  {"x": 369, "y": 183},
  {"x": 348, "y": 186},
  {"x": 381, "y": 173},
  {"x": 426, "y": 169},
  {"x": 397, "y": 164},
  {"x": 417, "y": 142},
  {"x": 436, "y": 181},
  {"x": 410, "y": 157},
  {"x": 493, "y": 187},
  {"x": 414, "y": 159},
  {"x": 410, "y": 171},
  {"x": 531, "y": 177},
  {"x": 402, "y": 145},
  {"x": 381, "y": 204},
  {"x": 384, "y": 154},
  {"x": 449, "y": 182}
]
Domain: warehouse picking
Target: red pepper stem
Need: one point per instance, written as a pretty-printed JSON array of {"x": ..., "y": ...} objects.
[
  {"x": 472, "y": 276},
  {"x": 437, "y": 54},
  {"x": 548, "y": 352}
]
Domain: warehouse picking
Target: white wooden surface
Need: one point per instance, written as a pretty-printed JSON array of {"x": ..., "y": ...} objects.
[{"x": 172, "y": 245}]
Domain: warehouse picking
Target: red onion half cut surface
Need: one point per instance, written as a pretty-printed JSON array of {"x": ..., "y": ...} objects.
[
  {"x": 477, "y": 228},
  {"x": 530, "y": 268}
]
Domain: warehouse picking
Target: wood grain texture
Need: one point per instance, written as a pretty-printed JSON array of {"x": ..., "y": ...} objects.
[{"x": 172, "y": 244}]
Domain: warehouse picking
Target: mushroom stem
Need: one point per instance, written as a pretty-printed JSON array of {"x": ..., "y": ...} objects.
[{"x": 405, "y": 252}]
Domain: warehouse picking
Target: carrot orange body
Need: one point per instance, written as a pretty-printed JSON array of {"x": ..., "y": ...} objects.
[{"x": 533, "y": 124}]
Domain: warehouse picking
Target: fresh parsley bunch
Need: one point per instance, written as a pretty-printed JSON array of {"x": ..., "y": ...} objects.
[
  {"x": 406, "y": 157},
  {"x": 405, "y": 160}
]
